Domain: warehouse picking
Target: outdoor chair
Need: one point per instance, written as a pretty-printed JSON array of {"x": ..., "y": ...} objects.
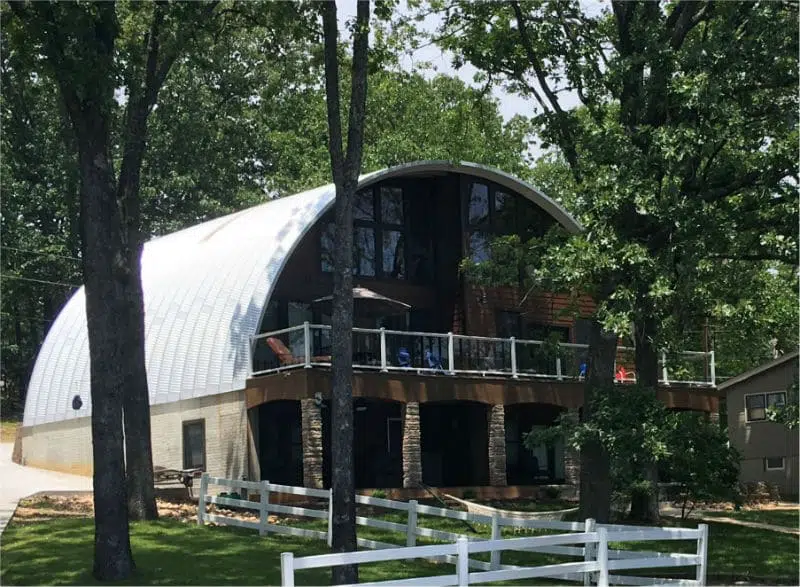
[
  {"x": 433, "y": 361},
  {"x": 286, "y": 357},
  {"x": 403, "y": 357}
]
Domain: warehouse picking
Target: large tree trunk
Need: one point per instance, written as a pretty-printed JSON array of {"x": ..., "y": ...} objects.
[
  {"x": 644, "y": 503},
  {"x": 105, "y": 279},
  {"x": 595, "y": 483},
  {"x": 345, "y": 169}
]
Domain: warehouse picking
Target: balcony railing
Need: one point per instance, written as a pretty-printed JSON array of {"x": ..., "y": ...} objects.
[{"x": 309, "y": 345}]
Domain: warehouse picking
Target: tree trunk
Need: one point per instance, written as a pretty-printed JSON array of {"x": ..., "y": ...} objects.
[
  {"x": 104, "y": 277},
  {"x": 345, "y": 170},
  {"x": 595, "y": 476},
  {"x": 644, "y": 503}
]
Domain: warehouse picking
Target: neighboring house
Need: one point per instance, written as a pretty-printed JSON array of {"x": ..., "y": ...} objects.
[
  {"x": 769, "y": 450},
  {"x": 238, "y": 347}
]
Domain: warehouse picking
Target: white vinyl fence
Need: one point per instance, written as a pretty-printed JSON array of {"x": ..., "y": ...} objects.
[{"x": 586, "y": 540}]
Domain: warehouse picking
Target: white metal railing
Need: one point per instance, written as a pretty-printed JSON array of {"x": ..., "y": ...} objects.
[
  {"x": 308, "y": 345},
  {"x": 582, "y": 539}
]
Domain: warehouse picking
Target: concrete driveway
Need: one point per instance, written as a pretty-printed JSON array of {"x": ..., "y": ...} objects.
[{"x": 17, "y": 482}]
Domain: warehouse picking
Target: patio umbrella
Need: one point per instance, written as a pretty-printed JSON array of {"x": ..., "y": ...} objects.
[{"x": 366, "y": 303}]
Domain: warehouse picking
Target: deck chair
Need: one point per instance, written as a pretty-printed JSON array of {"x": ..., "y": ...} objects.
[{"x": 286, "y": 357}]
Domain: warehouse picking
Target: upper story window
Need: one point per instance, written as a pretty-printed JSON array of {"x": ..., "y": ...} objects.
[
  {"x": 756, "y": 404},
  {"x": 379, "y": 234}
]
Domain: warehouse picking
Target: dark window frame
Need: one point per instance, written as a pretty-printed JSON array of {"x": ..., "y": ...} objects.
[
  {"x": 378, "y": 227},
  {"x": 187, "y": 464},
  {"x": 765, "y": 395}
]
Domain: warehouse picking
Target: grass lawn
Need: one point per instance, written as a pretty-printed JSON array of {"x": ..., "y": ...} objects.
[
  {"x": 8, "y": 430},
  {"x": 169, "y": 552},
  {"x": 786, "y": 518}
]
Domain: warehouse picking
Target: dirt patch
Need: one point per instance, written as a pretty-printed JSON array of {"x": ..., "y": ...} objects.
[{"x": 47, "y": 507}]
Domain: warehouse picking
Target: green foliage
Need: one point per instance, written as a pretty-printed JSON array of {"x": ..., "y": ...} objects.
[
  {"x": 787, "y": 414},
  {"x": 701, "y": 460},
  {"x": 379, "y": 493},
  {"x": 636, "y": 430}
]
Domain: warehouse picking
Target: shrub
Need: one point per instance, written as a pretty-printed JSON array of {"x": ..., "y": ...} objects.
[{"x": 379, "y": 493}]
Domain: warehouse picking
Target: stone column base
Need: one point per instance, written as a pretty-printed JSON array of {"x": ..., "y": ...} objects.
[
  {"x": 412, "y": 446},
  {"x": 497, "y": 446},
  {"x": 311, "y": 416}
]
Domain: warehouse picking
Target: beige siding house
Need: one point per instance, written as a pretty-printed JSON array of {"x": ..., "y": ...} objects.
[{"x": 769, "y": 450}]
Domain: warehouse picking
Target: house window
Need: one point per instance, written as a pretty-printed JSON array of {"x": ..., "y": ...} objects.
[
  {"x": 774, "y": 464},
  {"x": 194, "y": 444},
  {"x": 756, "y": 404},
  {"x": 478, "y": 204},
  {"x": 379, "y": 235},
  {"x": 508, "y": 324}
]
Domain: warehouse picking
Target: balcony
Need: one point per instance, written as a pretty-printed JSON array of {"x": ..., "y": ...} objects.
[{"x": 426, "y": 353}]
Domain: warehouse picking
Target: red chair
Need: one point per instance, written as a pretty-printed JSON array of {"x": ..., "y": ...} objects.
[{"x": 286, "y": 357}]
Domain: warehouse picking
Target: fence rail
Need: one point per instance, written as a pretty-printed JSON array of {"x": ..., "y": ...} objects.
[
  {"x": 579, "y": 539},
  {"x": 308, "y": 345}
]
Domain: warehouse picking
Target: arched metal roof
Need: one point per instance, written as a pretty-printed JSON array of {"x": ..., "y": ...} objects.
[{"x": 205, "y": 290}]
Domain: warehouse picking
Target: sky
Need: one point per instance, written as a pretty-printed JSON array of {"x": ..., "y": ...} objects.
[{"x": 509, "y": 104}]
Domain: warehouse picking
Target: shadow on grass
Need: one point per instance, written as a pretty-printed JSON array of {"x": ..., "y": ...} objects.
[{"x": 59, "y": 552}]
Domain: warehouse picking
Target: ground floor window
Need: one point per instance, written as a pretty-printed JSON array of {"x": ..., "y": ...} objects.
[
  {"x": 756, "y": 404},
  {"x": 774, "y": 463},
  {"x": 194, "y": 444}
]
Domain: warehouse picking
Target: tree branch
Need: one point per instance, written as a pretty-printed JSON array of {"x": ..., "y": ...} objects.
[
  {"x": 358, "y": 92},
  {"x": 330, "y": 33}
]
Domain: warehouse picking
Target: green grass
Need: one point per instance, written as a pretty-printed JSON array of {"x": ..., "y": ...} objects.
[
  {"x": 785, "y": 518},
  {"x": 59, "y": 552},
  {"x": 8, "y": 430},
  {"x": 173, "y": 553}
]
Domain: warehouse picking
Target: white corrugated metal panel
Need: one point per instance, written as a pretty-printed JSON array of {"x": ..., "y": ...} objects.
[{"x": 205, "y": 289}]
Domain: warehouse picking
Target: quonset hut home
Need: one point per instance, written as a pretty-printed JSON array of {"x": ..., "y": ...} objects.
[{"x": 448, "y": 376}]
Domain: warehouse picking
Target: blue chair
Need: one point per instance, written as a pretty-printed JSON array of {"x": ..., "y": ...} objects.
[
  {"x": 403, "y": 357},
  {"x": 582, "y": 370},
  {"x": 433, "y": 361}
]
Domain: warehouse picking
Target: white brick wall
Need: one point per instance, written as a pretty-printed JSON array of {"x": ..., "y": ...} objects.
[{"x": 67, "y": 446}]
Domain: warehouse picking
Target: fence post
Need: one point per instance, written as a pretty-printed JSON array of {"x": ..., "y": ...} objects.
[
  {"x": 588, "y": 549},
  {"x": 287, "y": 569},
  {"x": 451, "y": 366},
  {"x": 514, "y": 373},
  {"x": 602, "y": 557},
  {"x": 558, "y": 369},
  {"x": 330, "y": 517},
  {"x": 462, "y": 568},
  {"x": 702, "y": 553},
  {"x": 263, "y": 513},
  {"x": 494, "y": 560},
  {"x": 307, "y": 343},
  {"x": 201, "y": 504},
  {"x": 383, "y": 350},
  {"x": 411, "y": 524},
  {"x": 664, "y": 373},
  {"x": 713, "y": 369}
]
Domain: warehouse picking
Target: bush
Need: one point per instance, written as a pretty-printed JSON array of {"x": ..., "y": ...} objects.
[{"x": 379, "y": 493}]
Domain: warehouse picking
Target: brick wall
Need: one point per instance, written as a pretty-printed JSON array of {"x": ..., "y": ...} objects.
[
  {"x": 67, "y": 446},
  {"x": 482, "y": 303}
]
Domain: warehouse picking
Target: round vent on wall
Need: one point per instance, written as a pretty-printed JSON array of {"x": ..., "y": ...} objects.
[{"x": 77, "y": 402}]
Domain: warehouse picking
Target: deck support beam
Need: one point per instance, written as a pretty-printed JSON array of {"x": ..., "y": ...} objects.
[
  {"x": 311, "y": 416},
  {"x": 497, "y": 446},
  {"x": 412, "y": 445}
]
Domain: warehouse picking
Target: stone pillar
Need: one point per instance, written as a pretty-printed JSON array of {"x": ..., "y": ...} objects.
[
  {"x": 497, "y": 446},
  {"x": 412, "y": 446},
  {"x": 572, "y": 466},
  {"x": 311, "y": 416}
]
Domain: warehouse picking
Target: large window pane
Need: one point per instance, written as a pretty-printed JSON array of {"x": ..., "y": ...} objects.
[
  {"x": 394, "y": 256},
  {"x": 478, "y": 247},
  {"x": 755, "y": 407},
  {"x": 391, "y": 205},
  {"x": 364, "y": 206},
  {"x": 364, "y": 251},
  {"x": 194, "y": 445},
  {"x": 326, "y": 246},
  {"x": 505, "y": 213},
  {"x": 776, "y": 400},
  {"x": 478, "y": 203}
]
